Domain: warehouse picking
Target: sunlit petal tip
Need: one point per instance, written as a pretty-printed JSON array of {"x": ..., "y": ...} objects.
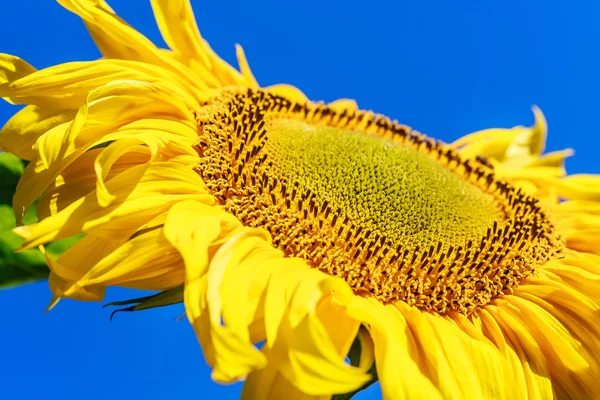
[
  {"x": 245, "y": 67},
  {"x": 11, "y": 69},
  {"x": 529, "y": 141},
  {"x": 539, "y": 131}
]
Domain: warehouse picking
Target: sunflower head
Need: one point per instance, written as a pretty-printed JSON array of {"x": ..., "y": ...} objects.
[{"x": 399, "y": 216}]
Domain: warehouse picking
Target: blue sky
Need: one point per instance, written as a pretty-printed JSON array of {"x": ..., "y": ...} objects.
[{"x": 444, "y": 68}]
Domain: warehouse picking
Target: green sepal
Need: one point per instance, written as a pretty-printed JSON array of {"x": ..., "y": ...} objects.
[{"x": 162, "y": 299}]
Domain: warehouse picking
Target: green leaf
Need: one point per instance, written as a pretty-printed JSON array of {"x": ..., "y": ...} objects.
[
  {"x": 162, "y": 299},
  {"x": 11, "y": 169},
  {"x": 29, "y": 265}
]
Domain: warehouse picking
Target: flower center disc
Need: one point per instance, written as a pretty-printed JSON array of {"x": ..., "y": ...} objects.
[
  {"x": 394, "y": 213},
  {"x": 392, "y": 190}
]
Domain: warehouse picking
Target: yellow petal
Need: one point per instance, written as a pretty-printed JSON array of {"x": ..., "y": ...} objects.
[
  {"x": 529, "y": 141},
  {"x": 116, "y": 39},
  {"x": 316, "y": 365},
  {"x": 565, "y": 294},
  {"x": 513, "y": 367},
  {"x": 177, "y": 24},
  {"x": 12, "y": 68},
  {"x": 245, "y": 68},
  {"x": 74, "y": 262},
  {"x": 564, "y": 354},
  {"x": 269, "y": 384},
  {"x": 313, "y": 365},
  {"x": 490, "y": 143},
  {"x": 367, "y": 349},
  {"x": 580, "y": 186},
  {"x": 572, "y": 187},
  {"x": 288, "y": 91},
  {"x": 243, "y": 297},
  {"x": 581, "y": 280},
  {"x": 487, "y": 359},
  {"x": 518, "y": 144},
  {"x": 148, "y": 261},
  {"x": 278, "y": 295},
  {"x": 443, "y": 355},
  {"x": 141, "y": 192},
  {"x": 579, "y": 223},
  {"x": 300, "y": 343},
  {"x": 341, "y": 327},
  {"x": 553, "y": 159},
  {"x": 110, "y": 107},
  {"x": 136, "y": 143},
  {"x": 530, "y": 357},
  {"x": 68, "y": 85},
  {"x": 55, "y": 283},
  {"x": 580, "y": 275},
  {"x": 532, "y": 173},
  {"x": 225, "y": 265},
  {"x": 25, "y": 127},
  {"x": 79, "y": 179},
  {"x": 398, "y": 372},
  {"x": 192, "y": 228},
  {"x": 343, "y": 104},
  {"x": 114, "y": 151},
  {"x": 178, "y": 27},
  {"x": 583, "y": 335}
]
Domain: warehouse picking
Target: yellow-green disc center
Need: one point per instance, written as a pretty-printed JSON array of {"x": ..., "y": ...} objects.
[{"x": 380, "y": 185}]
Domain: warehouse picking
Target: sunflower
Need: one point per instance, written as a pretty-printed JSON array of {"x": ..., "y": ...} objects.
[{"x": 320, "y": 247}]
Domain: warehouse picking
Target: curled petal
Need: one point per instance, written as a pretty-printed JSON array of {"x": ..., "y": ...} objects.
[
  {"x": 141, "y": 193},
  {"x": 395, "y": 354}
]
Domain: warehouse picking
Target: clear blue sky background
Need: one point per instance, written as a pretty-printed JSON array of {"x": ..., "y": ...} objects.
[{"x": 446, "y": 68}]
